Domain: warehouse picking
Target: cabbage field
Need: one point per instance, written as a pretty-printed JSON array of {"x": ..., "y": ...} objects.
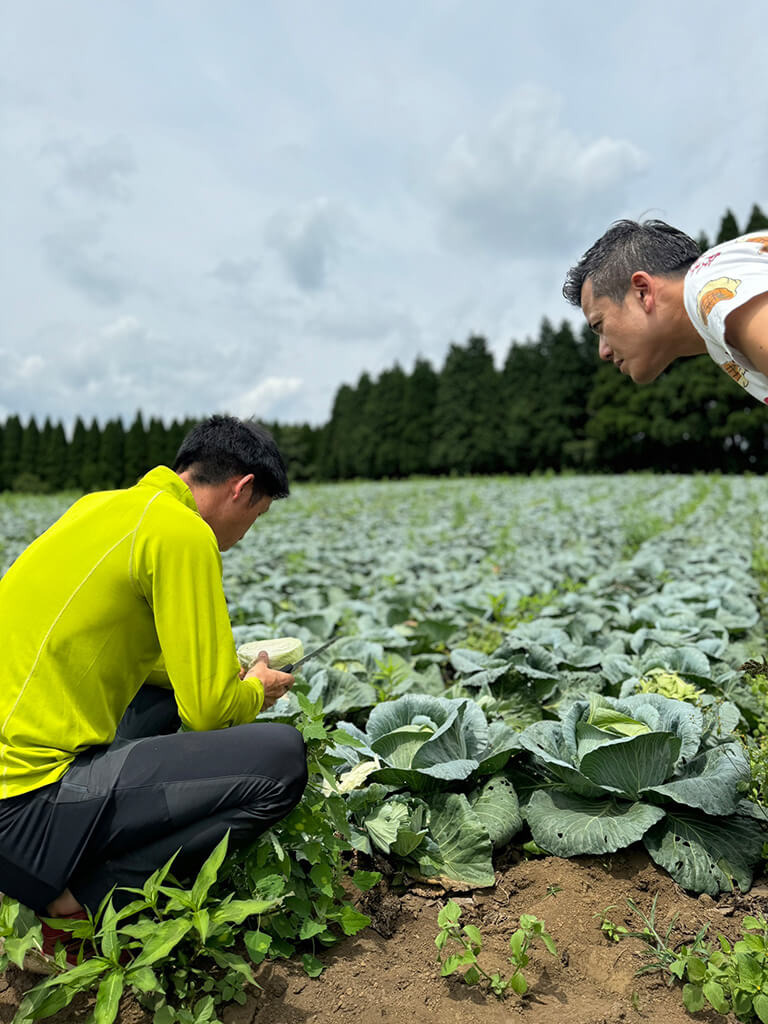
[{"x": 523, "y": 668}]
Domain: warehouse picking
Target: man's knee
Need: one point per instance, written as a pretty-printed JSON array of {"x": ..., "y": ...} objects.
[
  {"x": 293, "y": 765},
  {"x": 278, "y": 752}
]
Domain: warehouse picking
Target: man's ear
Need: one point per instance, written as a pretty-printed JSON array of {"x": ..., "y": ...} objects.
[
  {"x": 643, "y": 288},
  {"x": 242, "y": 485}
]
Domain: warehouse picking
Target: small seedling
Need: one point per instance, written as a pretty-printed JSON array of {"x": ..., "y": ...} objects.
[
  {"x": 659, "y": 952},
  {"x": 468, "y": 937},
  {"x": 553, "y": 890},
  {"x": 728, "y": 978}
]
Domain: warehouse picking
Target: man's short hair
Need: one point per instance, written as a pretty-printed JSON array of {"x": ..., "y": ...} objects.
[
  {"x": 222, "y": 447},
  {"x": 626, "y": 247}
]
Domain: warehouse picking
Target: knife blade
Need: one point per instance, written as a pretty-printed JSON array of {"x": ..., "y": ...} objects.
[{"x": 306, "y": 657}]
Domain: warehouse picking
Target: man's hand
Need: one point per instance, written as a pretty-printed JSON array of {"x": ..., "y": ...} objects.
[{"x": 276, "y": 684}]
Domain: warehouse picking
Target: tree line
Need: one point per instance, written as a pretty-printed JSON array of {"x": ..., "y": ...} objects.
[{"x": 551, "y": 406}]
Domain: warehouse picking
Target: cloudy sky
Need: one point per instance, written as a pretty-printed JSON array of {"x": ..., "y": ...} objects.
[{"x": 238, "y": 206}]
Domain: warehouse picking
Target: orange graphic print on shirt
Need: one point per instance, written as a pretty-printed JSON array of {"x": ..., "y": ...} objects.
[
  {"x": 761, "y": 239},
  {"x": 736, "y": 372},
  {"x": 720, "y": 289}
]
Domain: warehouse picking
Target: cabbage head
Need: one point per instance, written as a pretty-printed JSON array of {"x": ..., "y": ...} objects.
[
  {"x": 614, "y": 772},
  {"x": 282, "y": 650},
  {"x": 423, "y": 742}
]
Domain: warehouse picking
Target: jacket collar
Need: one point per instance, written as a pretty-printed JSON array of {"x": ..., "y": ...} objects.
[{"x": 164, "y": 479}]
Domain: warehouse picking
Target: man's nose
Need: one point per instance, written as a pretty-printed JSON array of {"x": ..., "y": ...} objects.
[{"x": 604, "y": 350}]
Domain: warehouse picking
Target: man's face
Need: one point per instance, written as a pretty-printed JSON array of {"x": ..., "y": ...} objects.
[
  {"x": 628, "y": 334},
  {"x": 237, "y": 518}
]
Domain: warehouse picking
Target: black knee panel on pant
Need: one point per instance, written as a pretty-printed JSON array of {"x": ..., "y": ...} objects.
[
  {"x": 293, "y": 762},
  {"x": 276, "y": 751}
]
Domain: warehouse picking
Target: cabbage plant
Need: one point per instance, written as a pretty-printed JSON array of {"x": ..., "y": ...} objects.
[
  {"x": 612, "y": 772},
  {"x": 420, "y": 742}
]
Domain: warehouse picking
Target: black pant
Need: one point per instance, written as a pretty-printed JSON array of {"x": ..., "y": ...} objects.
[{"x": 121, "y": 811}]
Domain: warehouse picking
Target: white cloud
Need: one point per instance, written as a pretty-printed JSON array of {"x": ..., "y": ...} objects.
[
  {"x": 124, "y": 327},
  {"x": 31, "y": 367},
  {"x": 99, "y": 171},
  {"x": 319, "y": 192},
  {"x": 523, "y": 185},
  {"x": 307, "y": 239},
  {"x": 75, "y": 253},
  {"x": 236, "y": 273},
  {"x": 265, "y": 400}
]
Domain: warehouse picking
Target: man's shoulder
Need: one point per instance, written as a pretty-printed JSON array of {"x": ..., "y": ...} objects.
[
  {"x": 723, "y": 278},
  {"x": 750, "y": 250},
  {"x": 163, "y": 511}
]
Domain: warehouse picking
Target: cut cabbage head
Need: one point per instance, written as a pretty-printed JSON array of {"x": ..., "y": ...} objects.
[{"x": 284, "y": 650}]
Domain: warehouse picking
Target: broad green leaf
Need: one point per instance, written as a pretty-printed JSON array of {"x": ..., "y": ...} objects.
[
  {"x": 164, "y": 938},
  {"x": 312, "y": 966},
  {"x": 716, "y": 996},
  {"x": 693, "y": 998},
  {"x": 17, "y": 949},
  {"x": 202, "y": 922},
  {"x": 464, "y": 738},
  {"x": 322, "y": 876},
  {"x": 257, "y": 943},
  {"x": 399, "y": 747},
  {"x": 209, "y": 872},
  {"x": 236, "y": 911},
  {"x": 503, "y": 740},
  {"x": 760, "y": 1006},
  {"x": 341, "y": 692},
  {"x": 697, "y": 969},
  {"x": 629, "y": 766},
  {"x": 518, "y": 984},
  {"x": 310, "y": 928},
  {"x": 365, "y": 880},
  {"x": 462, "y": 841},
  {"x": 407, "y": 841},
  {"x": 472, "y": 932},
  {"x": 710, "y": 781},
  {"x": 497, "y": 808},
  {"x": 610, "y": 720},
  {"x": 108, "y": 997},
  {"x": 78, "y": 929},
  {"x": 384, "y": 824},
  {"x": 451, "y": 964},
  {"x": 352, "y": 921},
  {"x": 143, "y": 978},
  {"x": 449, "y": 914},
  {"x": 706, "y": 854},
  {"x": 675, "y": 716},
  {"x": 750, "y": 972},
  {"x": 568, "y": 825},
  {"x": 232, "y": 962},
  {"x": 42, "y": 1002}
]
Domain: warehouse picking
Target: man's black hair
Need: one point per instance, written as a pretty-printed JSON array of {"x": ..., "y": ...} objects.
[
  {"x": 628, "y": 246},
  {"x": 223, "y": 446}
]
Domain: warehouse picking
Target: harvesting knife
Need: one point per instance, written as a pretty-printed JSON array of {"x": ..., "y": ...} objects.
[{"x": 317, "y": 650}]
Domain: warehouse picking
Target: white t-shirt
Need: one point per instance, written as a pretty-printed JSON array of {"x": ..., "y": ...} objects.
[{"x": 721, "y": 280}]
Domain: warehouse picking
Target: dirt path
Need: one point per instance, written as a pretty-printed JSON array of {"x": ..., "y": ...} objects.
[{"x": 394, "y": 977}]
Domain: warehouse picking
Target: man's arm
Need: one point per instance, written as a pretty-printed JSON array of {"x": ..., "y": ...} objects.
[
  {"x": 746, "y": 329},
  {"x": 177, "y": 568}
]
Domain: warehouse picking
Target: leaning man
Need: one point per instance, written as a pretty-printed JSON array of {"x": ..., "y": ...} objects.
[
  {"x": 98, "y": 785},
  {"x": 650, "y": 297}
]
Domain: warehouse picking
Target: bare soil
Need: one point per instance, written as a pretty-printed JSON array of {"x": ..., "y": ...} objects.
[{"x": 390, "y": 972}]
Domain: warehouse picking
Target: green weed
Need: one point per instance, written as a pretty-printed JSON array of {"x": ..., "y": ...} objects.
[
  {"x": 728, "y": 978},
  {"x": 470, "y": 940},
  {"x": 178, "y": 949}
]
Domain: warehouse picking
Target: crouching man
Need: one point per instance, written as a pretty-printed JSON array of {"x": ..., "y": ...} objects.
[{"x": 126, "y": 580}]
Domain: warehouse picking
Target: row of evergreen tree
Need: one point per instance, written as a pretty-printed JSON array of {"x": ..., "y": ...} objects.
[{"x": 552, "y": 406}]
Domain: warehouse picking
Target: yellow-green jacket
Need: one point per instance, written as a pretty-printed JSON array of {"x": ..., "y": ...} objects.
[{"x": 122, "y": 579}]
